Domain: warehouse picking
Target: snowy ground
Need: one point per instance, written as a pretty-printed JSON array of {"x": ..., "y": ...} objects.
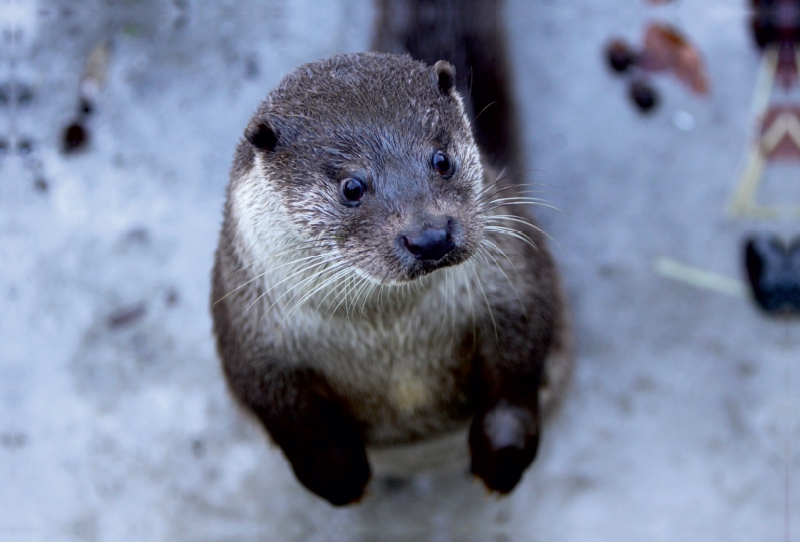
[{"x": 683, "y": 422}]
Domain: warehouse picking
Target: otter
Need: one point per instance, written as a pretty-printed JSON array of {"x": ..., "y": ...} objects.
[{"x": 379, "y": 286}]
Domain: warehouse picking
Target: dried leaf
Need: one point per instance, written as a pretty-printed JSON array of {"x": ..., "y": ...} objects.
[{"x": 665, "y": 48}]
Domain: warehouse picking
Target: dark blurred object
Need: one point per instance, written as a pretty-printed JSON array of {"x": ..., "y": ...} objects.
[
  {"x": 85, "y": 107},
  {"x": 773, "y": 270},
  {"x": 24, "y": 146},
  {"x": 137, "y": 236},
  {"x": 127, "y": 316},
  {"x": 643, "y": 95},
  {"x": 776, "y": 22},
  {"x": 40, "y": 185},
  {"x": 666, "y": 48},
  {"x": 11, "y": 93},
  {"x": 776, "y": 26},
  {"x": 620, "y": 55},
  {"x": 172, "y": 297},
  {"x": 24, "y": 95},
  {"x": 75, "y": 137}
]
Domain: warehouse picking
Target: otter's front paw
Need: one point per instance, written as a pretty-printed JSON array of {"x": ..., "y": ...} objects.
[
  {"x": 503, "y": 442},
  {"x": 338, "y": 473}
]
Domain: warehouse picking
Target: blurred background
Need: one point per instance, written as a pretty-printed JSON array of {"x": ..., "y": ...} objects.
[{"x": 118, "y": 121}]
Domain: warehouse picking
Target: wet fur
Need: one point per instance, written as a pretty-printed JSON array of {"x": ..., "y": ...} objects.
[{"x": 382, "y": 354}]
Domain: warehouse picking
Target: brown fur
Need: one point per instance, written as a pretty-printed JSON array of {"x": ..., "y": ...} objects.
[{"x": 392, "y": 350}]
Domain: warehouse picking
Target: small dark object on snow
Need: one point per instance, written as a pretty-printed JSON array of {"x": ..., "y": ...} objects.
[
  {"x": 85, "y": 107},
  {"x": 13, "y": 440},
  {"x": 75, "y": 137},
  {"x": 138, "y": 236},
  {"x": 24, "y": 95},
  {"x": 620, "y": 56},
  {"x": 126, "y": 316},
  {"x": 41, "y": 185},
  {"x": 24, "y": 146},
  {"x": 198, "y": 448},
  {"x": 643, "y": 95},
  {"x": 172, "y": 297},
  {"x": 773, "y": 270}
]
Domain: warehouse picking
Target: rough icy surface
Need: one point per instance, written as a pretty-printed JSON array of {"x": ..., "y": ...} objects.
[{"x": 115, "y": 424}]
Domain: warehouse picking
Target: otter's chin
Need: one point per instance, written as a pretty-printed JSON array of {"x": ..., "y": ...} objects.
[{"x": 411, "y": 271}]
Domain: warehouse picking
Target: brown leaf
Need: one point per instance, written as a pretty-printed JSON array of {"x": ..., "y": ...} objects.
[{"x": 665, "y": 48}]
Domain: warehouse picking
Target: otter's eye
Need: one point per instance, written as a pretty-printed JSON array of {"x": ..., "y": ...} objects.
[
  {"x": 442, "y": 164},
  {"x": 352, "y": 190}
]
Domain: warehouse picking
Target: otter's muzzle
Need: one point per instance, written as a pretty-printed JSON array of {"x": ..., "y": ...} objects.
[{"x": 431, "y": 243}]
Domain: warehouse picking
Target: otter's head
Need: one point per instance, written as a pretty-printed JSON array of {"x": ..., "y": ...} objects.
[{"x": 372, "y": 158}]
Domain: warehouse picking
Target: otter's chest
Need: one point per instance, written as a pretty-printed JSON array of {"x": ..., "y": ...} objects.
[{"x": 404, "y": 373}]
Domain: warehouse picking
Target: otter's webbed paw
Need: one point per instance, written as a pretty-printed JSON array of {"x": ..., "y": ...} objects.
[
  {"x": 336, "y": 470},
  {"x": 503, "y": 442}
]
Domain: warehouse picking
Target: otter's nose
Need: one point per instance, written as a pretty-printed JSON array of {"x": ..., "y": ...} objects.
[{"x": 430, "y": 244}]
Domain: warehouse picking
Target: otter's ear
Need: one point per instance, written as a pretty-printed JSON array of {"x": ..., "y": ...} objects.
[
  {"x": 444, "y": 76},
  {"x": 261, "y": 135}
]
